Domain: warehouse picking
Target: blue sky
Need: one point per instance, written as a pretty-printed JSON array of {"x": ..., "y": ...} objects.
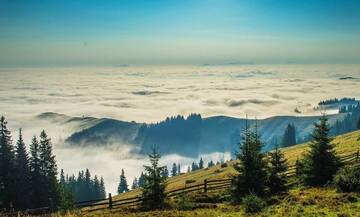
[{"x": 95, "y": 32}]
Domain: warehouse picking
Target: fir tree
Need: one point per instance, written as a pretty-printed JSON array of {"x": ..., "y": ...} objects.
[
  {"x": 165, "y": 172},
  {"x": 135, "y": 184},
  {"x": 174, "y": 170},
  {"x": 96, "y": 188},
  {"x": 102, "y": 188},
  {"x": 153, "y": 192},
  {"x": 123, "y": 186},
  {"x": 251, "y": 169},
  {"x": 87, "y": 185},
  {"x": 142, "y": 180},
  {"x": 194, "y": 166},
  {"x": 321, "y": 163},
  {"x": 35, "y": 174},
  {"x": 289, "y": 137},
  {"x": 7, "y": 166},
  {"x": 277, "y": 177},
  {"x": 211, "y": 164},
  {"x": 201, "y": 164},
  {"x": 48, "y": 170},
  {"x": 179, "y": 169},
  {"x": 22, "y": 175}
]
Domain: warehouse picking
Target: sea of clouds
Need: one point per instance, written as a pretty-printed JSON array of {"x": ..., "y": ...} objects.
[{"x": 152, "y": 93}]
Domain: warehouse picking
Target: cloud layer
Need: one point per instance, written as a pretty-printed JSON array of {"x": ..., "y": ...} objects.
[{"x": 150, "y": 94}]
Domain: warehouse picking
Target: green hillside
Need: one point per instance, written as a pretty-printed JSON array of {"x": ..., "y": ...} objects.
[
  {"x": 345, "y": 144},
  {"x": 300, "y": 201}
]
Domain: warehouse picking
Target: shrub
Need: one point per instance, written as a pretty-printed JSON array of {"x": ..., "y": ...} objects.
[
  {"x": 223, "y": 165},
  {"x": 189, "y": 181},
  {"x": 253, "y": 203},
  {"x": 348, "y": 179},
  {"x": 184, "y": 203}
]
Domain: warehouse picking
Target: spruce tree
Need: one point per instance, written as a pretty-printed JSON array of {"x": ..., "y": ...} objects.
[
  {"x": 289, "y": 137},
  {"x": 35, "y": 174},
  {"x": 96, "y": 189},
  {"x": 277, "y": 168},
  {"x": 22, "y": 175},
  {"x": 7, "y": 166},
  {"x": 210, "y": 164},
  {"x": 135, "y": 184},
  {"x": 123, "y": 186},
  {"x": 142, "y": 180},
  {"x": 320, "y": 163},
  {"x": 165, "y": 172},
  {"x": 48, "y": 170},
  {"x": 179, "y": 169},
  {"x": 251, "y": 168},
  {"x": 174, "y": 170},
  {"x": 201, "y": 164},
  {"x": 87, "y": 185},
  {"x": 153, "y": 192},
  {"x": 102, "y": 188}
]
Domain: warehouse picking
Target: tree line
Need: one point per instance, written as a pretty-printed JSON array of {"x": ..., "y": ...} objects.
[
  {"x": 29, "y": 179},
  {"x": 83, "y": 187}
]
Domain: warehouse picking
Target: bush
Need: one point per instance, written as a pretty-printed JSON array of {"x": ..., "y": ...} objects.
[
  {"x": 348, "y": 179},
  {"x": 253, "y": 203},
  {"x": 189, "y": 181},
  {"x": 223, "y": 165},
  {"x": 184, "y": 203}
]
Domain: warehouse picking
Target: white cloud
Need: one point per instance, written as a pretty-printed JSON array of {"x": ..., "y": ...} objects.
[{"x": 150, "y": 94}]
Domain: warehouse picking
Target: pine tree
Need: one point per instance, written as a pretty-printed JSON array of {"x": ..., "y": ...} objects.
[
  {"x": 135, "y": 184},
  {"x": 174, "y": 170},
  {"x": 251, "y": 169},
  {"x": 123, "y": 186},
  {"x": 289, "y": 137},
  {"x": 62, "y": 177},
  {"x": 165, "y": 172},
  {"x": 321, "y": 163},
  {"x": 211, "y": 164},
  {"x": 48, "y": 170},
  {"x": 179, "y": 169},
  {"x": 102, "y": 188},
  {"x": 22, "y": 175},
  {"x": 142, "y": 180},
  {"x": 88, "y": 185},
  {"x": 194, "y": 166},
  {"x": 96, "y": 189},
  {"x": 35, "y": 174},
  {"x": 153, "y": 192},
  {"x": 201, "y": 164},
  {"x": 277, "y": 177},
  {"x": 7, "y": 166}
]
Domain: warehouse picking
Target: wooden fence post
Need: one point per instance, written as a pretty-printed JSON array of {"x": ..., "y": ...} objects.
[
  {"x": 205, "y": 185},
  {"x": 110, "y": 201}
]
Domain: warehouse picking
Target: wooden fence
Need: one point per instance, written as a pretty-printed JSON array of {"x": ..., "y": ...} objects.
[{"x": 206, "y": 186}]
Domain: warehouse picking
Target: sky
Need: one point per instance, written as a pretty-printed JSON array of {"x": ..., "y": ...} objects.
[{"x": 135, "y": 32}]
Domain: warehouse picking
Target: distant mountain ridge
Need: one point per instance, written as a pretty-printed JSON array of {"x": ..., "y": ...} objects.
[{"x": 187, "y": 136}]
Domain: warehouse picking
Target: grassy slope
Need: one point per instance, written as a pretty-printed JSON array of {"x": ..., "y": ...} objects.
[
  {"x": 344, "y": 144},
  {"x": 299, "y": 202}
]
